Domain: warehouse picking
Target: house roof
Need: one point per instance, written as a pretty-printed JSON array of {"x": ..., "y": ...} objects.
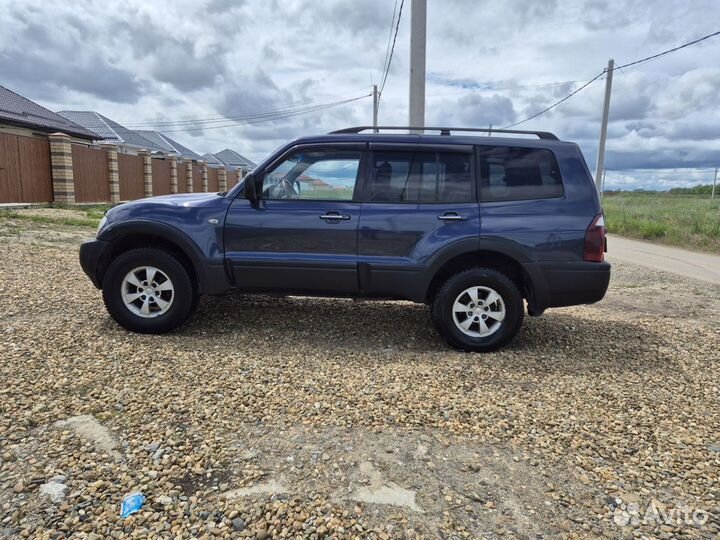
[
  {"x": 170, "y": 145},
  {"x": 212, "y": 160},
  {"x": 110, "y": 131},
  {"x": 20, "y": 111},
  {"x": 233, "y": 159}
]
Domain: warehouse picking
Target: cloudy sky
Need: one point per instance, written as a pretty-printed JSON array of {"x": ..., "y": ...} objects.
[{"x": 145, "y": 62}]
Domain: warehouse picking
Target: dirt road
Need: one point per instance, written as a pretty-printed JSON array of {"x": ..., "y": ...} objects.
[{"x": 703, "y": 266}]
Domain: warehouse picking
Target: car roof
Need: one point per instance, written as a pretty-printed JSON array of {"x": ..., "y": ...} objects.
[{"x": 406, "y": 138}]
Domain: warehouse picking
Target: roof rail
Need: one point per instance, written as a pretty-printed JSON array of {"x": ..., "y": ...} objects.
[{"x": 447, "y": 130}]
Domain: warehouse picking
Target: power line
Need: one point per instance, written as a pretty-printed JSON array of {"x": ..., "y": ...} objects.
[
  {"x": 596, "y": 77},
  {"x": 220, "y": 119},
  {"x": 546, "y": 109},
  {"x": 268, "y": 118},
  {"x": 669, "y": 50},
  {"x": 392, "y": 49},
  {"x": 390, "y": 35}
]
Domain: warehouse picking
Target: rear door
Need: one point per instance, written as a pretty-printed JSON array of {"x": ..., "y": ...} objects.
[
  {"x": 523, "y": 201},
  {"x": 417, "y": 200},
  {"x": 302, "y": 234}
]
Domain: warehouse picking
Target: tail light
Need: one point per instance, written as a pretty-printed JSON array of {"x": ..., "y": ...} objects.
[{"x": 594, "y": 249}]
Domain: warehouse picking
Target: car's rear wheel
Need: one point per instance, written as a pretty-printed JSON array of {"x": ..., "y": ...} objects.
[
  {"x": 149, "y": 291},
  {"x": 479, "y": 310}
]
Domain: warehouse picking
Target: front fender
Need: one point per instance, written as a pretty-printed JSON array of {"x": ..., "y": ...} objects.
[{"x": 206, "y": 258}]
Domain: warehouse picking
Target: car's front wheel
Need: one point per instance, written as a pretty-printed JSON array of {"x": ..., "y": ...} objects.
[
  {"x": 148, "y": 291},
  {"x": 479, "y": 310}
]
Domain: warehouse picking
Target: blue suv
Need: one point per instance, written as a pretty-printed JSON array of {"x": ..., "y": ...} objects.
[{"x": 474, "y": 226}]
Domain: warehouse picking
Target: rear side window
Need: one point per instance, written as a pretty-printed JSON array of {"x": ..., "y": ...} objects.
[
  {"x": 515, "y": 174},
  {"x": 421, "y": 177}
]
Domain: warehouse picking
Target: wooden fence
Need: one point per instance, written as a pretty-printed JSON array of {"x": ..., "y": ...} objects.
[
  {"x": 197, "y": 178},
  {"x": 130, "y": 169},
  {"x": 91, "y": 173},
  {"x": 232, "y": 178},
  {"x": 161, "y": 177},
  {"x": 27, "y": 165},
  {"x": 182, "y": 177},
  {"x": 25, "y": 171},
  {"x": 213, "y": 183}
]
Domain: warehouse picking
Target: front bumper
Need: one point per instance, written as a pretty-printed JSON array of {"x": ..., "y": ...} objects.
[{"x": 91, "y": 254}]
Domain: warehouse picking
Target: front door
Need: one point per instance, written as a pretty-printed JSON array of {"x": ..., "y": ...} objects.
[{"x": 302, "y": 234}]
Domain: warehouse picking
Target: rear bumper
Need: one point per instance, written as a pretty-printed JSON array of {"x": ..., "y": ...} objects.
[
  {"x": 91, "y": 253},
  {"x": 558, "y": 284}
]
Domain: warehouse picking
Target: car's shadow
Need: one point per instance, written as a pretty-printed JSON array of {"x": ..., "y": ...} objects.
[{"x": 565, "y": 340}]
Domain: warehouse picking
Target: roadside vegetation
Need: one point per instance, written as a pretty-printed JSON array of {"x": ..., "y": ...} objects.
[
  {"x": 682, "y": 217},
  {"x": 71, "y": 215}
]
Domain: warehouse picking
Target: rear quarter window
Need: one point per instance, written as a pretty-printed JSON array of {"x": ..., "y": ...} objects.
[{"x": 517, "y": 174}]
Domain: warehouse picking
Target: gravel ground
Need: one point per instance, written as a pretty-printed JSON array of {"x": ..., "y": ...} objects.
[{"x": 289, "y": 417}]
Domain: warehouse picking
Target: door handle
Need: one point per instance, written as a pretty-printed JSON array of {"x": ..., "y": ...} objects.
[
  {"x": 334, "y": 215},
  {"x": 451, "y": 216}
]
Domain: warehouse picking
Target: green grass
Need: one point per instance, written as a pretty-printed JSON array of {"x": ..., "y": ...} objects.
[
  {"x": 76, "y": 222},
  {"x": 94, "y": 211},
  {"x": 677, "y": 219},
  {"x": 88, "y": 216}
]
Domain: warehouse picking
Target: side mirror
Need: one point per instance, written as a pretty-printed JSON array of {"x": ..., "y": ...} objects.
[{"x": 249, "y": 189}]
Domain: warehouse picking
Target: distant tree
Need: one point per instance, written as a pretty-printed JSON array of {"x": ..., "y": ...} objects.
[{"x": 705, "y": 189}]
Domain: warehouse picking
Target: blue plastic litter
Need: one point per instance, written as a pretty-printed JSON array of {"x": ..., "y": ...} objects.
[{"x": 131, "y": 503}]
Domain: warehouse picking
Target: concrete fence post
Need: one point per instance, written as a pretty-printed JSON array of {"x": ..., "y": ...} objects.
[
  {"x": 189, "y": 175},
  {"x": 222, "y": 179},
  {"x": 111, "y": 153},
  {"x": 147, "y": 172},
  {"x": 203, "y": 168},
  {"x": 62, "y": 168},
  {"x": 173, "y": 174}
]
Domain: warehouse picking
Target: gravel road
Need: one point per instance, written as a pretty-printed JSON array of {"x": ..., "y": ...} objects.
[{"x": 313, "y": 418}]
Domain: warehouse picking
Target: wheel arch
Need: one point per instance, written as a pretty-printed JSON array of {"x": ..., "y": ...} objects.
[
  {"x": 138, "y": 234},
  {"x": 509, "y": 261}
]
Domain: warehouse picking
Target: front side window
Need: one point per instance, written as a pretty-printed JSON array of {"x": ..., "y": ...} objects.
[
  {"x": 514, "y": 174},
  {"x": 314, "y": 175},
  {"x": 421, "y": 177}
]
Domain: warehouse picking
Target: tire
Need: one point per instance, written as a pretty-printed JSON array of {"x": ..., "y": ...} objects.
[
  {"x": 163, "y": 308},
  {"x": 502, "y": 317}
]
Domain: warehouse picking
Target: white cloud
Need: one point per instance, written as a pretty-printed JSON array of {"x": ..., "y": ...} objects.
[{"x": 487, "y": 62}]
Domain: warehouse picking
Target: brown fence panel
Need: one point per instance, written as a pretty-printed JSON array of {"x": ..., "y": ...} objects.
[
  {"x": 35, "y": 169},
  {"x": 90, "y": 170},
  {"x": 213, "y": 183},
  {"x": 161, "y": 177},
  {"x": 10, "y": 184},
  {"x": 130, "y": 169},
  {"x": 182, "y": 177},
  {"x": 197, "y": 178},
  {"x": 25, "y": 171}
]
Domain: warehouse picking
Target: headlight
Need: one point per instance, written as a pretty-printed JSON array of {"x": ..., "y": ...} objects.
[{"x": 102, "y": 223}]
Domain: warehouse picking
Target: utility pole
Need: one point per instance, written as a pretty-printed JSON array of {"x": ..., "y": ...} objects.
[
  {"x": 714, "y": 182},
  {"x": 603, "y": 128},
  {"x": 418, "y": 26},
  {"x": 602, "y": 185},
  {"x": 376, "y": 103}
]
